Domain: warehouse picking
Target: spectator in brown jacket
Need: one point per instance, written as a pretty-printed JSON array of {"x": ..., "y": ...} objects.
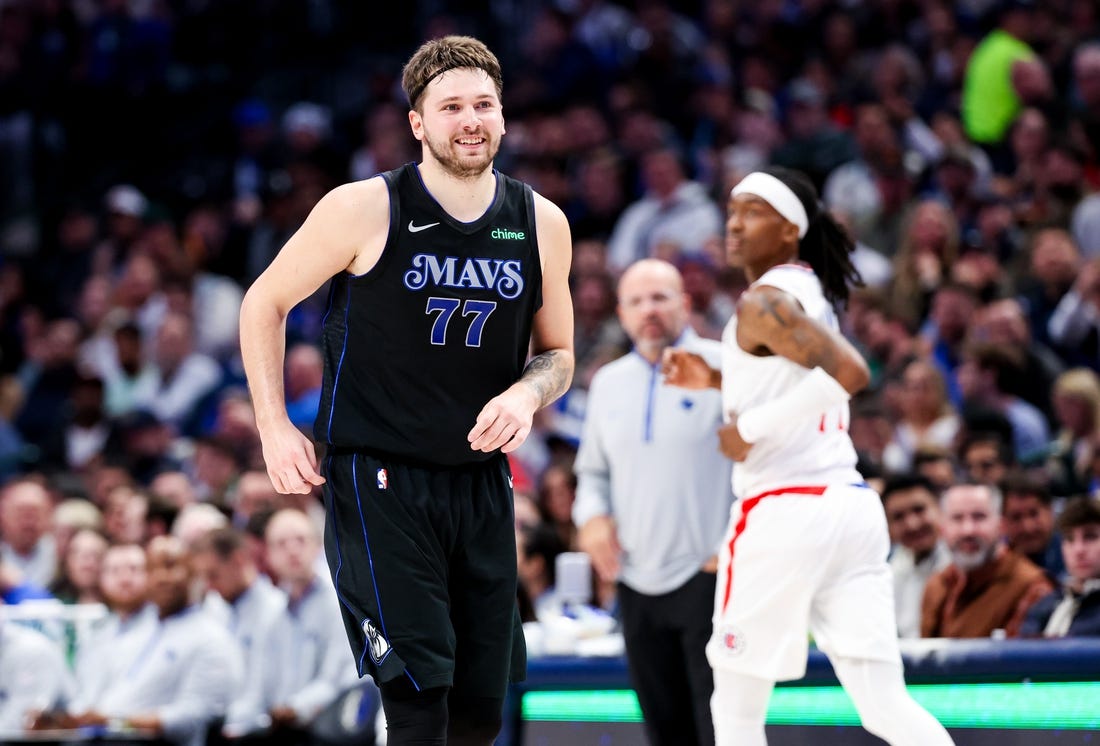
[{"x": 987, "y": 586}]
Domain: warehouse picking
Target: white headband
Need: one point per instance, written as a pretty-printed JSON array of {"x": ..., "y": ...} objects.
[{"x": 778, "y": 195}]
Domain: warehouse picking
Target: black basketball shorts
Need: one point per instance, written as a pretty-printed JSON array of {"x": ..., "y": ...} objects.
[{"x": 424, "y": 562}]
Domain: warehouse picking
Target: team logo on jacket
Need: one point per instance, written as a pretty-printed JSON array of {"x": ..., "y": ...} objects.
[
  {"x": 378, "y": 645},
  {"x": 383, "y": 479},
  {"x": 732, "y": 639}
]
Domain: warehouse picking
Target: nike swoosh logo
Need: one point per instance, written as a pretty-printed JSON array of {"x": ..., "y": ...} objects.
[{"x": 418, "y": 228}]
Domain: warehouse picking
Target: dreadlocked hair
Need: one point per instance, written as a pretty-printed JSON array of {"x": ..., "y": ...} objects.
[{"x": 827, "y": 247}]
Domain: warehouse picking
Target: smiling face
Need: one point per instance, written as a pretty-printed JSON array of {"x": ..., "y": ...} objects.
[
  {"x": 757, "y": 236},
  {"x": 913, "y": 517},
  {"x": 460, "y": 122}
]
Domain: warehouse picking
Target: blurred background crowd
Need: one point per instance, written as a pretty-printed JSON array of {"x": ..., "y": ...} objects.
[{"x": 156, "y": 154}]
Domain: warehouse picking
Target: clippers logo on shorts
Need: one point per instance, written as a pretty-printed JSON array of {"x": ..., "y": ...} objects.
[
  {"x": 383, "y": 479},
  {"x": 731, "y": 639},
  {"x": 379, "y": 646}
]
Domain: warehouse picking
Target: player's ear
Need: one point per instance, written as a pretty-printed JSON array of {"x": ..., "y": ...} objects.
[
  {"x": 789, "y": 233},
  {"x": 416, "y": 122}
]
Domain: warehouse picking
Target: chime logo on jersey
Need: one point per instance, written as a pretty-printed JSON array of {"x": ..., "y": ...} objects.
[
  {"x": 378, "y": 645},
  {"x": 731, "y": 639},
  {"x": 505, "y": 276},
  {"x": 507, "y": 234},
  {"x": 383, "y": 479}
]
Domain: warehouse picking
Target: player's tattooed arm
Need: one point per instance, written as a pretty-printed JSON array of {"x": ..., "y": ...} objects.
[
  {"x": 771, "y": 321},
  {"x": 549, "y": 375}
]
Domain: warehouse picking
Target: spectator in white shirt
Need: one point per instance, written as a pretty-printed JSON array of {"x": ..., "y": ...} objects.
[
  {"x": 116, "y": 640},
  {"x": 33, "y": 677},
  {"x": 242, "y": 599},
  {"x": 305, "y": 662},
  {"x": 183, "y": 377},
  {"x": 185, "y": 675},
  {"x": 913, "y": 517}
]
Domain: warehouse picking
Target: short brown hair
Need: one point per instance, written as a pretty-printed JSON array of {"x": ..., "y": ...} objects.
[
  {"x": 223, "y": 542},
  {"x": 1081, "y": 511},
  {"x": 437, "y": 56}
]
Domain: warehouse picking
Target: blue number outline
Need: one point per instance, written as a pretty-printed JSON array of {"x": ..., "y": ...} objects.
[
  {"x": 446, "y": 308},
  {"x": 481, "y": 309}
]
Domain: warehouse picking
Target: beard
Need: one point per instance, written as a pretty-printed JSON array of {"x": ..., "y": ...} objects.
[
  {"x": 458, "y": 166},
  {"x": 968, "y": 561},
  {"x": 654, "y": 345}
]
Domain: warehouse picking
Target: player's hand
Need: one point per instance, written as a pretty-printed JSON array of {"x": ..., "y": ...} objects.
[
  {"x": 730, "y": 442},
  {"x": 290, "y": 458},
  {"x": 686, "y": 369},
  {"x": 505, "y": 422},
  {"x": 600, "y": 541}
]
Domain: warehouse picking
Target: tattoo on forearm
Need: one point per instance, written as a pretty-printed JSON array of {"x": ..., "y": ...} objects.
[{"x": 549, "y": 375}]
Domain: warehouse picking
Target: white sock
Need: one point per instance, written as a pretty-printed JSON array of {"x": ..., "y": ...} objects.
[
  {"x": 878, "y": 690},
  {"x": 739, "y": 707}
]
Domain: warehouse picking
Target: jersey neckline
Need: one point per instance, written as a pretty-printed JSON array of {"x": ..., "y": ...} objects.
[{"x": 452, "y": 222}]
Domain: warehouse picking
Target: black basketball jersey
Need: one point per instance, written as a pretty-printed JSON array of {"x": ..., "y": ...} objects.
[{"x": 416, "y": 346}]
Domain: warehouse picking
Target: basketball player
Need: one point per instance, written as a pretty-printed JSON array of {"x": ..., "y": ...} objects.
[
  {"x": 442, "y": 273},
  {"x": 807, "y": 544}
]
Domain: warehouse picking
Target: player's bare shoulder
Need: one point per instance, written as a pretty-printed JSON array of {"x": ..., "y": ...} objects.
[
  {"x": 767, "y": 318},
  {"x": 767, "y": 308},
  {"x": 361, "y": 211},
  {"x": 555, "y": 243}
]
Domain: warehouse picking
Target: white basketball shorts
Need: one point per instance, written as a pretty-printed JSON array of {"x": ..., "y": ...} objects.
[{"x": 798, "y": 561}]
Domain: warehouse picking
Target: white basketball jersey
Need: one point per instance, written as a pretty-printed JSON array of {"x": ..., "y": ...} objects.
[{"x": 815, "y": 450}]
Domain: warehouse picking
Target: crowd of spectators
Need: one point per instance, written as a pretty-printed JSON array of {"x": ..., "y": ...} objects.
[{"x": 155, "y": 155}]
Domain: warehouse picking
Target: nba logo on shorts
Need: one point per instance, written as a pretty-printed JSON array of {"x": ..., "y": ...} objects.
[
  {"x": 378, "y": 645},
  {"x": 383, "y": 479},
  {"x": 731, "y": 639}
]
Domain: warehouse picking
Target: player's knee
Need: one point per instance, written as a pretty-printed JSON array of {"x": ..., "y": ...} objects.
[
  {"x": 414, "y": 718},
  {"x": 475, "y": 721}
]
